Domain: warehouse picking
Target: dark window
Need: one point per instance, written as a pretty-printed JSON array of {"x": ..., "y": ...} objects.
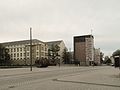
[
  {"x": 27, "y": 54},
  {"x": 17, "y": 49},
  {"x": 21, "y": 54},
  {"x": 79, "y": 39},
  {"x": 14, "y": 55},
  {"x": 37, "y": 53},
  {"x": 11, "y": 55},
  {"x": 17, "y": 54},
  {"x": 82, "y": 39},
  {"x": 21, "y": 49}
]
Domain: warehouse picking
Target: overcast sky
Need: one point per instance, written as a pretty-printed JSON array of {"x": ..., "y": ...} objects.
[{"x": 61, "y": 20}]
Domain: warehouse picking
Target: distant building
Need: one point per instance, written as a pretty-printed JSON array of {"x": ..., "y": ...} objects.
[
  {"x": 20, "y": 51},
  {"x": 72, "y": 57},
  {"x": 112, "y": 59},
  {"x": 61, "y": 44},
  {"x": 97, "y": 56},
  {"x": 84, "y": 49}
]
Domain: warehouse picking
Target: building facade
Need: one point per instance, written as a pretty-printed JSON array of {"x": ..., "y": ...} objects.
[
  {"x": 62, "y": 46},
  {"x": 84, "y": 49},
  {"x": 97, "y": 56},
  {"x": 20, "y": 51}
]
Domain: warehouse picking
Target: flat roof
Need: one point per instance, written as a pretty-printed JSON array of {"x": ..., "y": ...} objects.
[{"x": 87, "y": 36}]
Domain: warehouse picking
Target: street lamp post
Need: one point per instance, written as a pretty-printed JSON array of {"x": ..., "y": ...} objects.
[{"x": 30, "y": 49}]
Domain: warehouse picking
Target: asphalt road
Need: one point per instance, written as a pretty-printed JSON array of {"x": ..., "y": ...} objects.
[{"x": 64, "y": 78}]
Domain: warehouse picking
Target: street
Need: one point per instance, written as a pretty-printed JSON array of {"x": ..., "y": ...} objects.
[{"x": 63, "y": 78}]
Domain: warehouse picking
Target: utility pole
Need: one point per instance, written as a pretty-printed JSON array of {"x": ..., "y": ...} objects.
[{"x": 30, "y": 49}]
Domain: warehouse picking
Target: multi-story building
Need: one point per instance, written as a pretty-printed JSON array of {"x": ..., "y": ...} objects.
[
  {"x": 84, "y": 49},
  {"x": 97, "y": 56},
  {"x": 20, "y": 51},
  {"x": 61, "y": 44}
]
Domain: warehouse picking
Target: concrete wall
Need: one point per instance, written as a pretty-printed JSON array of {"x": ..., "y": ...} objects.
[{"x": 97, "y": 56}]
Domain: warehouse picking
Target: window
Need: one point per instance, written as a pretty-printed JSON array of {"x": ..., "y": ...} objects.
[
  {"x": 42, "y": 53},
  {"x": 11, "y": 50},
  {"x": 37, "y": 53},
  {"x": 37, "y": 58},
  {"x": 21, "y": 49},
  {"x": 8, "y": 50},
  {"x": 27, "y": 54},
  {"x": 27, "y": 48},
  {"x": 37, "y": 47},
  {"x": 24, "y": 54},
  {"x": 45, "y": 49},
  {"x": 11, "y": 55},
  {"x": 17, "y": 49},
  {"x": 42, "y": 48},
  {"x": 20, "y": 54},
  {"x": 46, "y": 54},
  {"x": 17, "y": 54},
  {"x": 14, "y": 55}
]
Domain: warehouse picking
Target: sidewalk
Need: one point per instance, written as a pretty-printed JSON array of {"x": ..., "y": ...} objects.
[{"x": 107, "y": 77}]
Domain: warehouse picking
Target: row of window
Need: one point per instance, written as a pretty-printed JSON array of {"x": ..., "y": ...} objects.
[
  {"x": 37, "y": 54},
  {"x": 17, "y": 58},
  {"x": 42, "y": 48},
  {"x": 15, "y": 46},
  {"x": 18, "y": 55},
  {"x": 23, "y": 49},
  {"x": 23, "y": 54},
  {"x": 37, "y": 48},
  {"x": 22, "y": 58},
  {"x": 16, "y": 49}
]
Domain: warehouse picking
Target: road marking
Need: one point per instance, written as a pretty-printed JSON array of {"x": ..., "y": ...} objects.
[{"x": 110, "y": 85}]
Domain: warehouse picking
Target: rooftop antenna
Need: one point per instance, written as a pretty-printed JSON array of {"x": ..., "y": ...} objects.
[
  {"x": 92, "y": 43},
  {"x": 91, "y": 31}
]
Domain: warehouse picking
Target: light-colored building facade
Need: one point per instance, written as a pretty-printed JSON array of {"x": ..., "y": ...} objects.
[
  {"x": 84, "y": 49},
  {"x": 97, "y": 56},
  {"x": 20, "y": 51},
  {"x": 61, "y": 44}
]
